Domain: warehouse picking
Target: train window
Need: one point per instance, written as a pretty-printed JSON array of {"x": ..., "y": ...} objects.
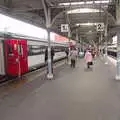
[
  {"x": 36, "y": 50},
  {"x": 29, "y": 50},
  {"x": 10, "y": 50},
  {"x": 20, "y": 50}
]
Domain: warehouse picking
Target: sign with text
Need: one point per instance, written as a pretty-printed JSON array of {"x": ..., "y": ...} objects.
[
  {"x": 64, "y": 27},
  {"x": 100, "y": 27}
]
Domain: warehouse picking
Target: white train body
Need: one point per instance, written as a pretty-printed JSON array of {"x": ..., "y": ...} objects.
[{"x": 20, "y": 55}]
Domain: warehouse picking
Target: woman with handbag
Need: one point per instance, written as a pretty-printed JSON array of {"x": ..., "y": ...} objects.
[{"x": 88, "y": 58}]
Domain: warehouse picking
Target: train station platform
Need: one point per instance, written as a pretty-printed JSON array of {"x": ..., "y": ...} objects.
[{"x": 74, "y": 94}]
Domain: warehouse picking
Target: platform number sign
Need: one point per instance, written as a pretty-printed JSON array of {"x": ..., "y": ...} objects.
[
  {"x": 64, "y": 28},
  {"x": 100, "y": 27}
]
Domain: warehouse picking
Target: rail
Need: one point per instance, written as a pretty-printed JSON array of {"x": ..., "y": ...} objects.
[{"x": 7, "y": 80}]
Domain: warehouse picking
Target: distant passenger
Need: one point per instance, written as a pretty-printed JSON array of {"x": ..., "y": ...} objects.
[
  {"x": 88, "y": 58},
  {"x": 73, "y": 55},
  {"x": 52, "y": 56},
  {"x": 93, "y": 54},
  {"x": 67, "y": 53},
  {"x": 104, "y": 51}
]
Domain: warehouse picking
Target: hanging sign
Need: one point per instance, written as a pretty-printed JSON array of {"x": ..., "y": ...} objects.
[
  {"x": 100, "y": 27},
  {"x": 64, "y": 28}
]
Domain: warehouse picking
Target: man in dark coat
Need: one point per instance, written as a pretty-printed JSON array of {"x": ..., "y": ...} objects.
[{"x": 67, "y": 53}]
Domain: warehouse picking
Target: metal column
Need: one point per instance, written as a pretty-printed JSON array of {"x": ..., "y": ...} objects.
[
  {"x": 69, "y": 36},
  {"x": 100, "y": 38},
  {"x": 106, "y": 40},
  {"x": 80, "y": 45},
  {"x": 77, "y": 38},
  {"x": 48, "y": 25},
  {"x": 118, "y": 41},
  {"x": 50, "y": 74},
  {"x": 118, "y": 57}
]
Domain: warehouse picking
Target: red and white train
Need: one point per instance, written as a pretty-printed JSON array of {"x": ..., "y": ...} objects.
[{"x": 18, "y": 55}]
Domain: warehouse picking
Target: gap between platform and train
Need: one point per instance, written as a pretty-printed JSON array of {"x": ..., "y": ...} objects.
[{"x": 33, "y": 74}]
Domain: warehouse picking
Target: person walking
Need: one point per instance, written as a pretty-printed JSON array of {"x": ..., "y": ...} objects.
[
  {"x": 88, "y": 58},
  {"x": 73, "y": 55},
  {"x": 67, "y": 54}
]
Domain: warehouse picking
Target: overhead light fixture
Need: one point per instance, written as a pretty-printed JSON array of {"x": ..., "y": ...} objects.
[
  {"x": 105, "y": 6},
  {"x": 86, "y": 24},
  {"x": 65, "y": 4},
  {"x": 90, "y": 31},
  {"x": 83, "y": 10},
  {"x": 87, "y": 2},
  {"x": 77, "y": 3},
  {"x": 102, "y": 1},
  {"x": 72, "y": 3},
  {"x": 97, "y": 2}
]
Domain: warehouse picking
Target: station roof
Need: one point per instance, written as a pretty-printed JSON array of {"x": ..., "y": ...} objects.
[{"x": 80, "y": 14}]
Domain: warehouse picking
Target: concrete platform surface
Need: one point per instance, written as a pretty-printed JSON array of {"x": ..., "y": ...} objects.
[{"x": 74, "y": 94}]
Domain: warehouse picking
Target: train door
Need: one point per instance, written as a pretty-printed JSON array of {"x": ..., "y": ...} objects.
[
  {"x": 23, "y": 56},
  {"x": 15, "y": 56}
]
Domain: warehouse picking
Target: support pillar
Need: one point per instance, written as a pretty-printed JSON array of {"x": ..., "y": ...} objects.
[
  {"x": 77, "y": 39},
  {"x": 47, "y": 12},
  {"x": 118, "y": 57},
  {"x": 50, "y": 65},
  {"x": 80, "y": 45},
  {"x": 106, "y": 40},
  {"x": 100, "y": 37},
  {"x": 118, "y": 41},
  {"x": 69, "y": 36}
]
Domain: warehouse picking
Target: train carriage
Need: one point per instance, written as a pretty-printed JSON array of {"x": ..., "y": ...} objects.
[{"x": 20, "y": 54}]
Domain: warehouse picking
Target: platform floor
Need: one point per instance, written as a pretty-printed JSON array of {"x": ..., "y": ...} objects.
[{"x": 75, "y": 94}]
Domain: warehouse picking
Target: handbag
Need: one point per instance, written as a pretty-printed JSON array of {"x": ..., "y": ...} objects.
[{"x": 90, "y": 63}]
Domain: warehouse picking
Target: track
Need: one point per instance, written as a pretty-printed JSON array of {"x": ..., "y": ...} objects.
[{"x": 7, "y": 80}]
